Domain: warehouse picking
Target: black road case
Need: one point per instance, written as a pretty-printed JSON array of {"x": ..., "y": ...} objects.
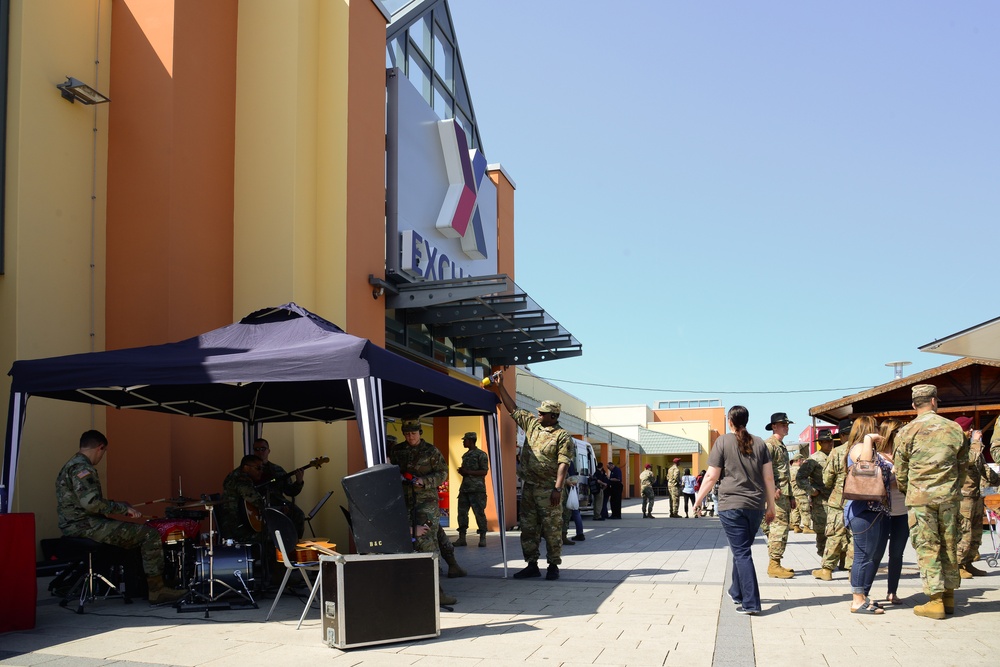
[{"x": 379, "y": 598}]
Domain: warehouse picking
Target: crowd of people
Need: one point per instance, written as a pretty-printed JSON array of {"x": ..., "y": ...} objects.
[{"x": 924, "y": 486}]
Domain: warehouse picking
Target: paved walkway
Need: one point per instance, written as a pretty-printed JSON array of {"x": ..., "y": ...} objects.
[{"x": 636, "y": 592}]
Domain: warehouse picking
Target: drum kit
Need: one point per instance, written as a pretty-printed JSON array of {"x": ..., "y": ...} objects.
[{"x": 210, "y": 569}]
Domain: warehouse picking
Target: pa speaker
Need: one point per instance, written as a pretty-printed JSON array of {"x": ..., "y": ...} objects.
[{"x": 378, "y": 513}]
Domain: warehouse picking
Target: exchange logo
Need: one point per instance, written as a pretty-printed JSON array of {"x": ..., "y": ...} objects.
[{"x": 459, "y": 216}]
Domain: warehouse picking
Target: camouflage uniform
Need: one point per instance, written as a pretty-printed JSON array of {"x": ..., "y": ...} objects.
[
  {"x": 81, "y": 506},
  {"x": 544, "y": 450},
  {"x": 238, "y": 491},
  {"x": 932, "y": 456},
  {"x": 777, "y": 531},
  {"x": 801, "y": 514},
  {"x": 286, "y": 486},
  {"x": 425, "y": 461},
  {"x": 674, "y": 489},
  {"x": 646, "y": 488},
  {"x": 971, "y": 510},
  {"x": 472, "y": 493},
  {"x": 838, "y": 538},
  {"x": 810, "y": 478}
]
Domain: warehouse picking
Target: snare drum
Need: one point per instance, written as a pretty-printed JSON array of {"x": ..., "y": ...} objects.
[
  {"x": 233, "y": 566},
  {"x": 175, "y": 530}
]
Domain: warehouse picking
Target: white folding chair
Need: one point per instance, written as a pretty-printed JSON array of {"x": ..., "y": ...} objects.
[{"x": 284, "y": 533}]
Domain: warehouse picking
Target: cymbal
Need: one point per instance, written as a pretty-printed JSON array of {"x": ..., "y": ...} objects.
[
  {"x": 200, "y": 503},
  {"x": 179, "y": 500}
]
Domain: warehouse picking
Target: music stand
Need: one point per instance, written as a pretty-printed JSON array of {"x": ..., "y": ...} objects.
[{"x": 315, "y": 510}]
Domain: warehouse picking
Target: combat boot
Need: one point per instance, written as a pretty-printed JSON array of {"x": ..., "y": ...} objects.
[
  {"x": 775, "y": 571},
  {"x": 454, "y": 569},
  {"x": 460, "y": 542},
  {"x": 808, "y": 531},
  {"x": 964, "y": 573},
  {"x": 823, "y": 573},
  {"x": 796, "y": 529},
  {"x": 444, "y": 598},
  {"x": 973, "y": 570},
  {"x": 160, "y": 594},
  {"x": 482, "y": 539},
  {"x": 933, "y": 609},
  {"x": 948, "y": 598},
  {"x": 566, "y": 540},
  {"x": 530, "y": 571}
]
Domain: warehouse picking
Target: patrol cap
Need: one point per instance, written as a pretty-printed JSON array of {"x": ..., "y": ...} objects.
[
  {"x": 964, "y": 422},
  {"x": 778, "y": 418},
  {"x": 471, "y": 435},
  {"x": 550, "y": 406},
  {"x": 824, "y": 435},
  {"x": 923, "y": 391},
  {"x": 411, "y": 425}
]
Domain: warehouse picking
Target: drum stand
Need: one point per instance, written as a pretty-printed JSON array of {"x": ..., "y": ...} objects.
[{"x": 196, "y": 600}]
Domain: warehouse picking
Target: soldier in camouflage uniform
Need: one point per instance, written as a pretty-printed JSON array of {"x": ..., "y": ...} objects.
[
  {"x": 646, "y": 488},
  {"x": 839, "y": 549},
  {"x": 81, "y": 508},
  {"x": 932, "y": 456},
  {"x": 242, "y": 503},
  {"x": 424, "y": 469},
  {"x": 810, "y": 480},
  {"x": 472, "y": 493},
  {"x": 545, "y": 458},
  {"x": 674, "y": 489},
  {"x": 279, "y": 485},
  {"x": 777, "y": 533},
  {"x": 971, "y": 510},
  {"x": 801, "y": 516}
]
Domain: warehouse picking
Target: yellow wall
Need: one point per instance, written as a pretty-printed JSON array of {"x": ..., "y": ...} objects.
[
  {"x": 51, "y": 301},
  {"x": 297, "y": 65}
]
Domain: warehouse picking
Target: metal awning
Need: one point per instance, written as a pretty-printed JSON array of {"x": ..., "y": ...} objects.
[
  {"x": 982, "y": 340},
  {"x": 489, "y": 315}
]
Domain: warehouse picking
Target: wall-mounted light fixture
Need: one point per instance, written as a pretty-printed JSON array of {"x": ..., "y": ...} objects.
[{"x": 75, "y": 90}]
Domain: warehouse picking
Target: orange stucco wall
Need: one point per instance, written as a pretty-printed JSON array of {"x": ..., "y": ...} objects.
[
  {"x": 506, "y": 425},
  {"x": 365, "y": 185},
  {"x": 169, "y": 222}
]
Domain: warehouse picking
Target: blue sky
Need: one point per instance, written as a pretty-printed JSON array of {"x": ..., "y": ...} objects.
[{"x": 725, "y": 198}]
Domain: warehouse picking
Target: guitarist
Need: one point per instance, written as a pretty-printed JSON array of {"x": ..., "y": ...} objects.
[
  {"x": 279, "y": 484},
  {"x": 239, "y": 494}
]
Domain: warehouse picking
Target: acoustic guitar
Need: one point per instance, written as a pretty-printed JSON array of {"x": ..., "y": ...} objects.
[
  {"x": 254, "y": 520},
  {"x": 308, "y": 551}
]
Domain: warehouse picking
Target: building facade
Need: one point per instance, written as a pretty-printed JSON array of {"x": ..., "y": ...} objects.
[{"x": 252, "y": 153}]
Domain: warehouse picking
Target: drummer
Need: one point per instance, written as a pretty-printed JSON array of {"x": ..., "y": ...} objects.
[
  {"x": 242, "y": 509},
  {"x": 83, "y": 511},
  {"x": 279, "y": 485}
]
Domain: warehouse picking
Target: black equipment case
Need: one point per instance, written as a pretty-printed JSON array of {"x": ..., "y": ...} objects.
[{"x": 379, "y": 599}]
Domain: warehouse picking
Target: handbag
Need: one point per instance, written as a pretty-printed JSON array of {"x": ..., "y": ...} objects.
[
  {"x": 573, "y": 499},
  {"x": 864, "y": 481}
]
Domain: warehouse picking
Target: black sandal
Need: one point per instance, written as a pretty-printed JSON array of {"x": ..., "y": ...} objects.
[{"x": 868, "y": 607}]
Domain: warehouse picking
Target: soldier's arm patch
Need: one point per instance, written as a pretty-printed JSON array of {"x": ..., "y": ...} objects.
[{"x": 82, "y": 474}]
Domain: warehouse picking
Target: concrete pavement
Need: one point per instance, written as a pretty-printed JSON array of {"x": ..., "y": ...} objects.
[{"x": 636, "y": 592}]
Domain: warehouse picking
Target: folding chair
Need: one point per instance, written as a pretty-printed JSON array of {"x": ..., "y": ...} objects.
[{"x": 284, "y": 533}]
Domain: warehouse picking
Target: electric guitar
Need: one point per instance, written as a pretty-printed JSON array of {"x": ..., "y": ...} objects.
[{"x": 253, "y": 516}]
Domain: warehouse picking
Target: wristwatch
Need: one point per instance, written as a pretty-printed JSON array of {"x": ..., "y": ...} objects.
[{"x": 557, "y": 489}]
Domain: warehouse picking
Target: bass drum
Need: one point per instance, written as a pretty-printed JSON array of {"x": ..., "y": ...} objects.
[{"x": 233, "y": 566}]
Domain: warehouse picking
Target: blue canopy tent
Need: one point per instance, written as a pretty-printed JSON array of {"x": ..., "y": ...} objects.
[{"x": 279, "y": 364}]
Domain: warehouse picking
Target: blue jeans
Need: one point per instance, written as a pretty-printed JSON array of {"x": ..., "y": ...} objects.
[
  {"x": 899, "y": 535},
  {"x": 870, "y": 531},
  {"x": 741, "y": 526}
]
